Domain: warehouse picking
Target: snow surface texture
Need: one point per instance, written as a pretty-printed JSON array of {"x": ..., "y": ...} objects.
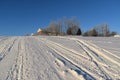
[{"x": 59, "y": 58}]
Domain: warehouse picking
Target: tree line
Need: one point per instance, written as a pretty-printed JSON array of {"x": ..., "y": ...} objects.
[
  {"x": 101, "y": 30},
  {"x": 72, "y": 27},
  {"x": 64, "y": 27}
]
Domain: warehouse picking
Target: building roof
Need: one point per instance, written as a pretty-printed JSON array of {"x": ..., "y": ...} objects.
[
  {"x": 32, "y": 34},
  {"x": 39, "y": 30}
]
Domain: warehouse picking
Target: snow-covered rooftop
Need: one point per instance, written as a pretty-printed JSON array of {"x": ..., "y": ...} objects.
[
  {"x": 32, "y": 34},
  {"x": 39, "y": 30}
]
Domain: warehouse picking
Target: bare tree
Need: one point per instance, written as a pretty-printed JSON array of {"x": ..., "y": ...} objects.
[
  {"x": 72, "y": 26},
  {"x": 68, "y": 26},
  {"x": 93, "y": 32},
  {"x": 55, "y": 28},
  {"x": 69, "y": 31},
  {"x": 103, "y": 30}
]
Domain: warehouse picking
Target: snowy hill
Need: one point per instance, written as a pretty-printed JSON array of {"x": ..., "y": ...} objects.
[{"x": 59, "y": 58}]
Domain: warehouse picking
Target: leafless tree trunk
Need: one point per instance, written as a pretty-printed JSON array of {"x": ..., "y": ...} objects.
[
  {"x": 72, "y": 26},
  {"x": 103, "y": 30}
]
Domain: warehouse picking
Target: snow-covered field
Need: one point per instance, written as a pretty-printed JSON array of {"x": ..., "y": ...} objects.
[{"x": 59, "y": 58}]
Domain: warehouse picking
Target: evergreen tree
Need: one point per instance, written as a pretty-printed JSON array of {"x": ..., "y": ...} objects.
[{"x": 79, "y": 32}]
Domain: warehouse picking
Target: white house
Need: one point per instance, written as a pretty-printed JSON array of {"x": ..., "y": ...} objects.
[
  {"x": 32, "y": 34},
  {"x": 39, "y": 31}
]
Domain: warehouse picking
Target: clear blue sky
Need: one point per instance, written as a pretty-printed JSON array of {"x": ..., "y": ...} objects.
[{"x": 18, "y": 17}]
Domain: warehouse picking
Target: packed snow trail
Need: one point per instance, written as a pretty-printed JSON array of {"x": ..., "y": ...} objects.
[{"x": 57, "y": 58}]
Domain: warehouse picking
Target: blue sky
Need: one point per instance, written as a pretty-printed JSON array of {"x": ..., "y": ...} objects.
[{"x": 18, "y": 17}]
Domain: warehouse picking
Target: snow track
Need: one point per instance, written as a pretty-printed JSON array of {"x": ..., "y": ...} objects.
[{"x": 51, "y": 58}]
